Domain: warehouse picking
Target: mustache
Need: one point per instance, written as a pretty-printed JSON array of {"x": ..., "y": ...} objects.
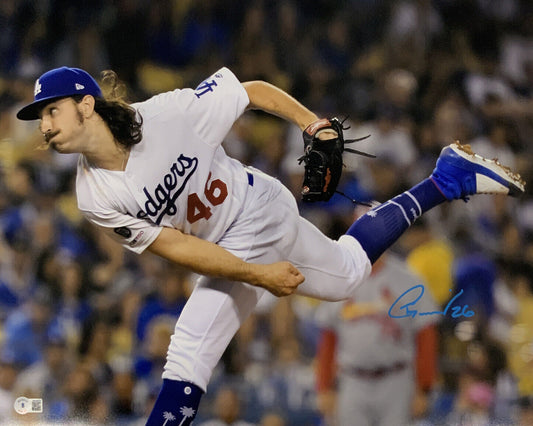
[{"x": 49, "y": 135}]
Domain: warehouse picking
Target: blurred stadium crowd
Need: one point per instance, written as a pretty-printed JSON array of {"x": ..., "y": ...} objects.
[{"x": 85, "y": 325}]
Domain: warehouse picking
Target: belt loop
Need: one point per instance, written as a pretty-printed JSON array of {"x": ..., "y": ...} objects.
[{"x": 250, "y": 179}]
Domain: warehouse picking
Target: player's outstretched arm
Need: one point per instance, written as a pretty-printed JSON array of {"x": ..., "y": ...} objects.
[
  {"x": 206, "y": 258},
  {"x": 269, "y": 98}
]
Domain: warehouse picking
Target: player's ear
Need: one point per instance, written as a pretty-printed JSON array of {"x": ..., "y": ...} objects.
[{"x": 86, "y": 106}]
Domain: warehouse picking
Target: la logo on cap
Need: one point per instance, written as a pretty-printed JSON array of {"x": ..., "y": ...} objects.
[
  {"x": 37, "y": 89},
  {"x": 79, "y": 86}
]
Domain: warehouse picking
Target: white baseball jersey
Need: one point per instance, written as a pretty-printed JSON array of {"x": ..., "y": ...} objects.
[
  {"x": 365, "y": 318},
  {"x": 368, "y": 339},
  {"x": 179, "y": 175}
]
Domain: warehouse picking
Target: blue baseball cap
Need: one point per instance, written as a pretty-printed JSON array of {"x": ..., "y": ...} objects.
[{"x": 59, "y": 83}]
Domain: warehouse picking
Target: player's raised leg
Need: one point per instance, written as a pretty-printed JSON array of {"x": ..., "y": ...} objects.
[{"x": 459, "y": 173}]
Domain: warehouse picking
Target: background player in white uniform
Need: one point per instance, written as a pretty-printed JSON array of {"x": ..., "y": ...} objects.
[
  {"x": 375, "y": 355},
  {"x": 154, "y": 176}
]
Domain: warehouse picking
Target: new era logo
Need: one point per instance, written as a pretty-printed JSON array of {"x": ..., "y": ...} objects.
[{"x": 79, "y": 86}]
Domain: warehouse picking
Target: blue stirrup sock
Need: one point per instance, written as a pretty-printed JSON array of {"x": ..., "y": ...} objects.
[
  {"x": 176, "y": 404},
  {"x": 379, "y": 228}
]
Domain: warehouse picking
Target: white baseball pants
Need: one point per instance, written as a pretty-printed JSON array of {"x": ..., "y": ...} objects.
[{"x": 268, "y": 229}]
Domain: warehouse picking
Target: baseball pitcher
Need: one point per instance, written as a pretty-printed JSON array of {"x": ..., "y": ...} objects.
[{"x": 153, "y": 176}]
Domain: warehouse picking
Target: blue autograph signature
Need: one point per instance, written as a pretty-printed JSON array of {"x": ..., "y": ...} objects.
[{"x": 409, "y": 298}]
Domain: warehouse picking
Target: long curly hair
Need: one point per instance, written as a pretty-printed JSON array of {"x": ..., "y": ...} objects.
[{"x": 124, "y": 121}]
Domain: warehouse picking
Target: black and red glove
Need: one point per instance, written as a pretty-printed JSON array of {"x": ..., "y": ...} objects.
[{"x": 323, "y": 158}]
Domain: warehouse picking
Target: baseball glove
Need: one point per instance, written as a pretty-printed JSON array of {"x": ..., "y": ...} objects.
[{"x": 323, "y": 159}]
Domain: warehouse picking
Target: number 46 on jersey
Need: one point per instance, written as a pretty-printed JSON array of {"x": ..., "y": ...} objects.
[{"x": 215, "y": 193}]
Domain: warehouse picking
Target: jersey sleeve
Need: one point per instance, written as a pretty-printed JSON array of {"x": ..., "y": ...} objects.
[
  {"x": 132, "y": 233},
  {"x": 210, "y": 109},
  {"x": 220, "y": 100}
]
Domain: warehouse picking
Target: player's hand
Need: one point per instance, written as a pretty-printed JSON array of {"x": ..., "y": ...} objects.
[
  {"x": 419, "y": 404},
  {"x": 280, "y": 278},
  {"x": 327, "y": 134},
  {"x": 326, "y": 402}
]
